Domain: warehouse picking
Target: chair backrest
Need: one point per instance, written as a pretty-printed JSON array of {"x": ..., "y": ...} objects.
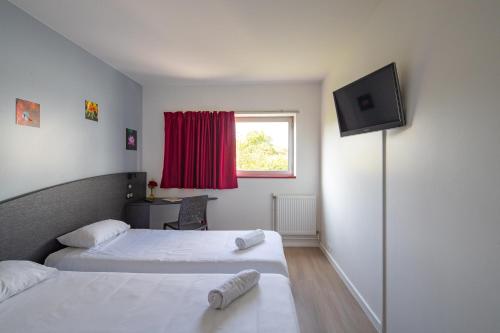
[{"x": 193, "y": 210}]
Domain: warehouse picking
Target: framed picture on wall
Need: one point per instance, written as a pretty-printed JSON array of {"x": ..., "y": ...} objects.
[
  {"x": 27, "y": 113},
  {"x": 131, "y": 139},
  {"x": 91, "y": 111}
]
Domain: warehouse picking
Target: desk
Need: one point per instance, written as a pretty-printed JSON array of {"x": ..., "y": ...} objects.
[{"x": 137, "y": 213}]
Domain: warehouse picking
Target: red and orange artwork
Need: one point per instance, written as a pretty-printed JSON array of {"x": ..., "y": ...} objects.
[
  {"x": 91, "y": 111},
  {"x": 27, "y": 113}
]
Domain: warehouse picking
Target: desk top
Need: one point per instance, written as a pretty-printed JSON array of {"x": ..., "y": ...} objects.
[{"x": 160, "y": 201}]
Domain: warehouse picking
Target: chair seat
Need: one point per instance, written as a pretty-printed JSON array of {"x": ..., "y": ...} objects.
[{"x": 191, "y": 226}]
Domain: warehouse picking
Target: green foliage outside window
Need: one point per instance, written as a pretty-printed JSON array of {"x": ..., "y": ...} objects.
[{"x": 256, "y": 152}]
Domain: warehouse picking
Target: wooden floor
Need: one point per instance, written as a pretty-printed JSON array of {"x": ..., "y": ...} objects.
[{"x": 324, "y": 304}]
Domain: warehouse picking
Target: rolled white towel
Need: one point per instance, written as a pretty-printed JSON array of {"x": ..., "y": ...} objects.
[
  {"x": 239, "y": 284},
  {"x": 250, "y": 239}
]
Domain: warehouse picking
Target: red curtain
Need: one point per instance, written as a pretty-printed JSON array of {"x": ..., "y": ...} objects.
[{"x": 200, "y": 150}]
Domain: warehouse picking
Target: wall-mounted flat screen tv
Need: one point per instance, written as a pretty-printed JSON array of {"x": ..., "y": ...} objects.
[{"x": 371, "y": 103}]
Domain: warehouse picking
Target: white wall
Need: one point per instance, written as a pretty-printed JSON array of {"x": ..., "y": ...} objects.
[
  {"x": 351, "y": 189},
  {"x": 40, "y": 65},
  {"x": 249, "y": 206},
  {"x": 443, "y": 232}
]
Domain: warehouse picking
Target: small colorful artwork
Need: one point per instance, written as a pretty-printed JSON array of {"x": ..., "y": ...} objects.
[
  {"x": 27, "y": 113},
  {"x": 131, "y": 136},
  {"x": 91, "y": 111}
]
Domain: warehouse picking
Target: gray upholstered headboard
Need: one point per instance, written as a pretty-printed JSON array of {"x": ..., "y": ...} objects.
[{"x": 29, "y": 224}]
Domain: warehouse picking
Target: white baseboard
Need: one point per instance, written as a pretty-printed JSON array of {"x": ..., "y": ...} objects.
[
  {"x": 300, "y": 241},
  {"x": 354, "y": 291}
]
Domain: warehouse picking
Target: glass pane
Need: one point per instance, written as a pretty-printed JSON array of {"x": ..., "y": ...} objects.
[{"x": 262, "y": 146}]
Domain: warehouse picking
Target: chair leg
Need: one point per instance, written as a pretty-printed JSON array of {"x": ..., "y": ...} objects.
[{"x": 166, "y": 226}]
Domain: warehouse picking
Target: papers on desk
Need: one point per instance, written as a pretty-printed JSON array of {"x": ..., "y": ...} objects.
[{"x": 172, "y": 199}]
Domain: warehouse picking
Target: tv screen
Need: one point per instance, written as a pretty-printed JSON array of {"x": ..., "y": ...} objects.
[{"x": 371, "y": 103}]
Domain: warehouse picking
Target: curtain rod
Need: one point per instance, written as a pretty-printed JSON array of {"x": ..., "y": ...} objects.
[
  {"x": 249, "y": 112},
  {"x": 266, "y": 112}
]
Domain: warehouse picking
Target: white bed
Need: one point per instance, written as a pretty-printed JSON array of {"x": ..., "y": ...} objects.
[
  {"x": 128, "y": 302},
  {"x": 163, "y": 251}
]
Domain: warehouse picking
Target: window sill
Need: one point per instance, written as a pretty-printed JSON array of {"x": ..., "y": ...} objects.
[{"x": 268, "y": 176}]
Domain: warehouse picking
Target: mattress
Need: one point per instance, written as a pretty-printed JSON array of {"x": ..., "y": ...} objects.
[
  {"x": 127, "y": 302},
  {"x": 164, "y": 251}
]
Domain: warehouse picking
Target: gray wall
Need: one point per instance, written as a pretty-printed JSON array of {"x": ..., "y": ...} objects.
[
  {"x": 40, "y": 65},
  {"x": 443, "y": 184}
]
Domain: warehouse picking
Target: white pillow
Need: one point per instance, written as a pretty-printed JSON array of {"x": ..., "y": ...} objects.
[
  {"x": 93, "y": 234},
  {"x": 19, "y": 275}
]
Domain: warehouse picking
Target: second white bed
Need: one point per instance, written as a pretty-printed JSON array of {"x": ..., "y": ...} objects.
[
  {"x": 163, "y": 251},
  {"x": 153, "y": 303}
]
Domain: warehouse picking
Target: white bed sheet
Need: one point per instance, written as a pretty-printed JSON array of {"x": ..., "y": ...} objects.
[
  {"x": 127, "y": 302},
  {"x": 163, "y": 251}
]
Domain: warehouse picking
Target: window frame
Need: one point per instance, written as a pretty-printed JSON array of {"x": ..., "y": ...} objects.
[{"x": 290, "y": 118}]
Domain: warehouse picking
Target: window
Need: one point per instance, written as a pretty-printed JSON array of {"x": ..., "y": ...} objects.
[{"x": 265, "y": 145}]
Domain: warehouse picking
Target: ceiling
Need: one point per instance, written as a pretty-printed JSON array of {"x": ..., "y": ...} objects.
[{"x": 208, "y": 40}]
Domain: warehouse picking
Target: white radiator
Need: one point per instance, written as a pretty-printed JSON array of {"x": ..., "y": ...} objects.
[{"x": 295, "y": 214}]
